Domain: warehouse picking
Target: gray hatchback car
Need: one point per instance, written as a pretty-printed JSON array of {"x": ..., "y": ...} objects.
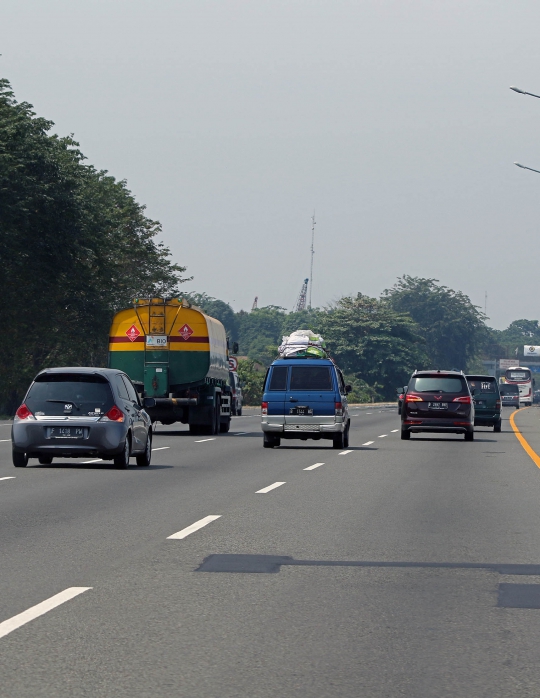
[{"x": 82, "y": 412}]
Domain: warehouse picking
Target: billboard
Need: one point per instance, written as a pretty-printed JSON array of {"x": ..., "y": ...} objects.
[
  {"x": 507, "y": 363},
  {"x": 529, "y": 350}
]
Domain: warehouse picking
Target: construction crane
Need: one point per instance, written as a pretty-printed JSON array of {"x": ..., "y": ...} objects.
[
  {"x": 301, "y": 301},
  {"x": 254, "y": 306}
]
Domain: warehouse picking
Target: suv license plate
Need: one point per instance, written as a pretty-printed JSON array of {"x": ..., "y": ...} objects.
[
  {"x": 438, "y": 405},
  {"x": 301, "y": 411},
  {"x": 66, "y": 432}
]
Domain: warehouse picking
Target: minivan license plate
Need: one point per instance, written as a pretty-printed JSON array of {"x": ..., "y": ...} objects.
[
  {"x": 438, "y": 405},
  {"x": 66, "y": 432},
  {"x": 301, "y": 411}
]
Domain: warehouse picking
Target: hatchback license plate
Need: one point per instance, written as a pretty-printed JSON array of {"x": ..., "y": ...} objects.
[
  {"x": 301, "y": 411},
  {"x": 66, "y": 432},
  {"x": 438, "y": 405}
]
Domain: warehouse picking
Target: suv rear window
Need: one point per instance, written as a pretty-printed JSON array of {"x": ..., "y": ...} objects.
[
  {"x": 482, "y": 384},
  {"x": 438, "y": 384},
  {"x": 311, "y": 378},
  {"x": 76, "y": 394},
  {"x": 508, "y": 389}
]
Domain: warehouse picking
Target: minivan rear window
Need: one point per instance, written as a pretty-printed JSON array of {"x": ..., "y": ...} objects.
[
  {"x": 509, "y": 389},
  {"x": 75, "y": 394},
  {"x": 438, "y": 384},
  {"x": 279, "y": 378},
  {"x": 483, "y": 385},
  {"x": 311, "y": 378}
]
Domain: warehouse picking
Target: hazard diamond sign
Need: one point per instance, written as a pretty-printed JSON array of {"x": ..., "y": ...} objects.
[
  {"x": 133, "y": 333},
  {"x": 185, "y": 332}
]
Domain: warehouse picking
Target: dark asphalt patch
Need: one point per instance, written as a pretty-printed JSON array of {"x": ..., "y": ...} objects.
[
  {"x": 519, "y": 596},
  {"x": 271, "y": 564}
]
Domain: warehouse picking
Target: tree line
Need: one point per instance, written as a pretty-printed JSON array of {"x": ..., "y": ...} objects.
[{"x": 75, "y": 247}]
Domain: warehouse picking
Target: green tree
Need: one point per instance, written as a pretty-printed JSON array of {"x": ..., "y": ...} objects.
[
  {"x": 259, "y": 330},
  {"x": 75, "y": 247},
  {"x": 218, "y": 309},
  {"x": 252, "y": 382},
  {"x": 454, "y": 329},
  {"x": 373, "y": 342}
]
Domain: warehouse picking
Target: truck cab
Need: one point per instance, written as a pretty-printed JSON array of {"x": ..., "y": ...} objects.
[{"x": 305, "y": 399}]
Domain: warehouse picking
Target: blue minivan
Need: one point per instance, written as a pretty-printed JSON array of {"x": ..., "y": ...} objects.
[{"x": 305, "y": 399}]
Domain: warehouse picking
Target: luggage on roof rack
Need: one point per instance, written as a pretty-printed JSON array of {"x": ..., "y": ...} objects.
[{"x": 302, "y": 344}]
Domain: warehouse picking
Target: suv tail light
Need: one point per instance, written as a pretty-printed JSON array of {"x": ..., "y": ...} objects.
[
  {"x": 113, "y": 415},
  {"x": 466, "y": 399},
  {"x": 264, "y": 408},
  {"x": 410, "y": 397},
  {"x": 338, "y": 408},
  {"x": 23, "y": 413}
]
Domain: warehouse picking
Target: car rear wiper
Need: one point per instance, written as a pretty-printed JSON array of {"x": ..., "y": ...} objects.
[{"x": 67, "y": 402}]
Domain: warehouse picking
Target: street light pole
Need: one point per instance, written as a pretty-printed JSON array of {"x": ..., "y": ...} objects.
[
  {"x": 523, "y": 167},
  {"x": 522, "y": 92}
]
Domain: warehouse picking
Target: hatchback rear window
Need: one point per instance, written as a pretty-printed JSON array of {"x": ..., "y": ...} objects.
[
  {"x": 311, "y": 378},
  {"x": 438, "y": 384},
  {"x": 76, "y": 394}
]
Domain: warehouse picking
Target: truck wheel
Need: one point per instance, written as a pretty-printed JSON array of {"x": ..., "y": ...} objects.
[
  {"x": 338, "y": 441},
  {"x": 20, "y": 460},
  {"x": 225, "y": 426},
  {"x": 194, "y": 429},
  {"x": 269, "y": 441},
  {"x": 239, "y": 412}
]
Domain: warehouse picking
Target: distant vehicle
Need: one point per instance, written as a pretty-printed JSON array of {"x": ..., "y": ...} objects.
[
  {"x": 236, "y": 394},
  {"x": 509, "y": 395},
  {"x": 178, "y": 355},
  {"x": 536, "y": 396},
  {"x": 487, "y": 401},
  {"x": 305, "y": 399},
  {"x": 522, "y": 377},
  {"x": 438, "y": 402},
  {"x": 90, "y": 412}
]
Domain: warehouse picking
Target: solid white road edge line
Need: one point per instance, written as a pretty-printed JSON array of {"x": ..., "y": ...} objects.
[
  {"x": 315, "y": 465},
  {"x": 194, "y": 527},
  {"x": 270, "y": 487},
  {"x": 344, "y": 453},
  {"x": 161, "y": 448},
  {"x": 12, "y": 624},
  {"x": 9, "y": 477},
  {"x": 200, "y": 441},
  {"x": 96, "y": 460},
  {"x": 368, "y": 443}
]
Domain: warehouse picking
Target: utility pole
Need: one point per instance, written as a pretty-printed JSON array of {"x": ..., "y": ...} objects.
[{"x": 312, "y": 253}]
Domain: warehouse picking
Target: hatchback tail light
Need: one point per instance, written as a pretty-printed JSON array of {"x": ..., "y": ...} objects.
[
  {"x": 338, "y": 408},
  {"x": 23, "y": 413},
  {"x": 410, "y": 397},
  {"x": 113, "y": 415},
  {"x": 466, "y": 399},
  {"x": 264, "y": 408}
]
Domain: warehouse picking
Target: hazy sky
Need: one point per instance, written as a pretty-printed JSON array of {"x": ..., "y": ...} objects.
[{"x": 232, "y": 121}]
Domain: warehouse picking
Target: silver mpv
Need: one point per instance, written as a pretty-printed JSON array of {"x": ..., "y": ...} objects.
[{"x": 82, "y": 412}]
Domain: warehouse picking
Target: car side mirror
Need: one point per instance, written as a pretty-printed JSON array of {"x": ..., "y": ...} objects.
[
  {"x": 348, "y": 389},
  {"x": 149, "y": 402}
]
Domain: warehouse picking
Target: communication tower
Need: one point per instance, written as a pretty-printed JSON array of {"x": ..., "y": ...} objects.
[
  {"x": 312, "y": 253},
  {"x": 255, "y": 303},
  {"x": 301, "y": 301}
]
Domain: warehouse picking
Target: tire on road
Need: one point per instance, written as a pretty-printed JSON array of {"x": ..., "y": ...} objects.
[
  {"x": 143, "y": 459},
  {"x": 45, "y": 460},
  {"x": 121, "y": 461},
  {"x": 405, "y": 434},
  {"x": 20, "y": 460}
]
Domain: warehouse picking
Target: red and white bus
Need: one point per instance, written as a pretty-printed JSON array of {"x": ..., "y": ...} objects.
[{"x": 522, "y": 377}]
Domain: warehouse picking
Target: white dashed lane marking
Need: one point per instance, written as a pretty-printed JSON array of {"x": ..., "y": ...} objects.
[
  {"x": 161, "y": 448},
  {"x": 394, "y": 431},
  {"x": 315, "y": 465},
  {"x": 239, "y": 433},
  {"x": 368, "y": 443},
  {"x": 344, "y": 453},
  {"x": 96, "y": 460},
  {"x": 270, "y": 487},
  {"x": 9, "y": 477},
  {"x": 4, "y": 440},
  {"x": 17, "y": 621},
  {"x": 382, "y": 436},
  {"x": 201, "y": 441},
  {"x": 194, "y": 527}
]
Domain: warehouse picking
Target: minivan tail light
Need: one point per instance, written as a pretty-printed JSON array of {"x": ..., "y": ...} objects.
[
  {"x": 410, "y": 397},
  {"x": 114, "y": 415},
  {"x": 23, "y": 413},
  {"x": 264, "y": 408},
  {"x": 338, "y": 406},
  {"x": 497, "y": 404},
  {"x": 466, "y": 399}
]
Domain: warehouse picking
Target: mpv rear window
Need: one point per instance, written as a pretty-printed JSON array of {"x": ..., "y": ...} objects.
[
  {"x": 76, "y": 394},
  {"x": 483, "y": 385},
  {"x": 311, "y": 378},
  {"x": 438, "y": 384},
  {"x": 279, "y": 378},
  {"x": 507, "y": 389}
]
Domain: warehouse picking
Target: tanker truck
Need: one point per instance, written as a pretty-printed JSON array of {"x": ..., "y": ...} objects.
[{"x": 175, "y": 353}]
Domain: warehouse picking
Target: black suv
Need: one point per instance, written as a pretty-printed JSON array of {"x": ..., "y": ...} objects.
[{"x": 440, "y": 402}]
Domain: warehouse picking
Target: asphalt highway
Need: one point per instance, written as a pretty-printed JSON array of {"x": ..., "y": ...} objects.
[{"x": 225, "y": 570}]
